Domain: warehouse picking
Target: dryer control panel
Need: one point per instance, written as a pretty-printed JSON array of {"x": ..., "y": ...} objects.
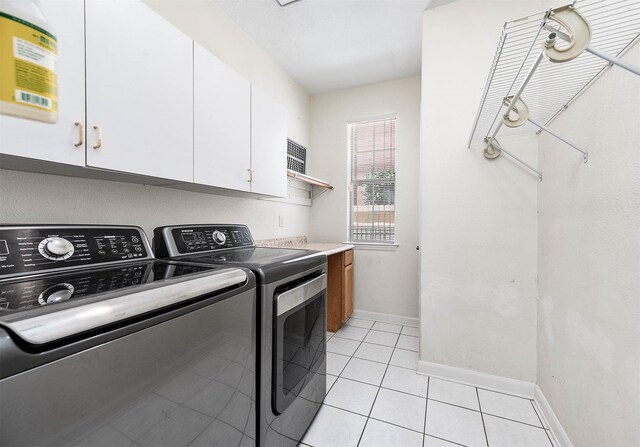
[
  {"x": 180, "y": 240},
  {"x": 33, "y": 249}
]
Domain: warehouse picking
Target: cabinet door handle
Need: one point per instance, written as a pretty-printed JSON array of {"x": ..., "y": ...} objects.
[
  {"x": 80, "y": 127},
  {"x": 98, "y": 129},
  {"x": 249, "y": 175}
]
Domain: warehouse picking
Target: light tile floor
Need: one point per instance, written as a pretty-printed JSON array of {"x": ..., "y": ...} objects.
[{"x": 376, "y": 399}]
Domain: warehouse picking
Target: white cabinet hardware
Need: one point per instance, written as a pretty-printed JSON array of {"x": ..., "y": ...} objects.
[
  {"x": 98, "y": 130},
  {"x": 80, "y": 127}
]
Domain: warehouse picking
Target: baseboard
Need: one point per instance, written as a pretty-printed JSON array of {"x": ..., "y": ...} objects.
[
  {"x": 389, "y": 318},
  {"x": 477, "y": 379},
  {"x": 549, "y": 419}
]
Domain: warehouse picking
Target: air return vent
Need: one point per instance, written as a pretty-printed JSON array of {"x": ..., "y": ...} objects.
[{"x": 296, "y": 157}]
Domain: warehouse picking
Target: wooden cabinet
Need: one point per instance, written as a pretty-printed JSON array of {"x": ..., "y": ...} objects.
[
  {"x": 347, "y": 292},
  {"x": 339, "y": 289},
  {"x": 222, "y": 124},
  {"x": 268, "y": 145},
  {"x": 56, "y": 142},
  {"x": 139, "y": 87}
]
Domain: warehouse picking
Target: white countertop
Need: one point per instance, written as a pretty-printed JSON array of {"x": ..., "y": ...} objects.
[{"x": 325, "y": 247}]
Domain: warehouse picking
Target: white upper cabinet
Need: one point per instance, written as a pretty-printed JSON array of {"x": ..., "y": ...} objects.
[
  {"x": 149, "y": 101},
  {"x": 56, "y": 142},
  {"x": 139, "y": 91},
  {"x": 268, "y": 145},
  {"x": 222, "y": 124}
]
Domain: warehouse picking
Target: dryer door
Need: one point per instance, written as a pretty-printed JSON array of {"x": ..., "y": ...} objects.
[{"x": 299, "y": 339}]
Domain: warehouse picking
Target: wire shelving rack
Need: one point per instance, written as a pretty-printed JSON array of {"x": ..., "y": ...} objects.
[{"x": 524, "y": 84}]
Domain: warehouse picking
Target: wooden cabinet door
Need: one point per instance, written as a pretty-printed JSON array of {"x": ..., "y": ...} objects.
[
  {"x": 222, "y": 123},
  {"x": 347, "y": 294},
  {"x": 56, "y": 142},
  {"x": 139, "y": 91},
  {"x": 268, "y": 145}
]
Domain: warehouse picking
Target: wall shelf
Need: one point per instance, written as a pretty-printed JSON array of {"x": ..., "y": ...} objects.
[
  {"x": 545, "y": 61},
  {"x": 314, "y": 182}
]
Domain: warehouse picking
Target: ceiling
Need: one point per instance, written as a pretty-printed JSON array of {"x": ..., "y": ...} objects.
[{"x": 328, "y": 45}]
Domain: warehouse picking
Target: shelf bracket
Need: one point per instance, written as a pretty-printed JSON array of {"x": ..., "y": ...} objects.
[
  {"x": 523, "y": 116},
  {"x": 585, "y": 154},
  {"x": 314, "y": 182},
  {"x": 313, "y": 197},
  {"x": 516, "y": 98},
  {"x": 578, "y": 38},
  {"x": 495, "y": 149}
]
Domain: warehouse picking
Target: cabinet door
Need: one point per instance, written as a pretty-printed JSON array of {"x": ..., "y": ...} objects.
[
  {"x": 268, "y": 145},
  {"x": 347, "y": 294},
  {"x": 139, "y": 91},
  {"x": 56, "y": 142},
  {"x": 222, "y": 123}
]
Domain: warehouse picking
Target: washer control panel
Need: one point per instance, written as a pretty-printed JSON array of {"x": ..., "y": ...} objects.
[
  {"x": 200, "y": 238},
  {"x": 34, "y": 249}
]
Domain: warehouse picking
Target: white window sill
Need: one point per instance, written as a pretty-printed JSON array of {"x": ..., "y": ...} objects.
[{"x": 373, "y": 246}]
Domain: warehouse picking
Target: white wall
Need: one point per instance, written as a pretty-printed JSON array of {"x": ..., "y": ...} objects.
[
  {"x": 385, "y": 281},
  {"x": 39, "y": 198},
  {"x": 589, "y": 265},
  {"x": 478, "y": 217}
]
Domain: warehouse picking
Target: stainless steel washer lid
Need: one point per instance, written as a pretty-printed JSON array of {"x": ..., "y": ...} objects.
[{"x": 40, "y": 326}]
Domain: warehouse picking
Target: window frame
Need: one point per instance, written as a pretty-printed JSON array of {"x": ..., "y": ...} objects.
[{"x": 375, "y": 245}]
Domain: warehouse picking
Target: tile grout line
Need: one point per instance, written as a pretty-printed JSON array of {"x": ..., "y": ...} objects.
[
  {"x": 379, "y": 344},
  {"x": 485, "y": 413},
  {"x": 424, "y": 434},
  {"x": 341, "y": 371},
  {"x": 377, "y": 392},
  {"x": 484, "y": 427},
  {"x": 435, "y": 400},
  {"x": 388, "y": 364},
  {"x": 542, "y": 423},
  {"x": 381, "y": 387},
  {"x": 512, "y": 420},
  {"x": 376, "y": 361},
  {"x": 378, "y": 420},
  {"x": 415, "y": 395},
  {"x": 536, "y": 411},
  {"x": 359, "y": 344},
  {"x": 426, "y": 406},
  {"x": 490, "y": 390},
  {"x": 445, "y": 440}
]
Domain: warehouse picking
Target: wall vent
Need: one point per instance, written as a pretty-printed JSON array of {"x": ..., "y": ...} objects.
[{"x": 296, "y": 157}]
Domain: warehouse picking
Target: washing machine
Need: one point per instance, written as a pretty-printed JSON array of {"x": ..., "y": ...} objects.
[{"x": 101, "y": 344}]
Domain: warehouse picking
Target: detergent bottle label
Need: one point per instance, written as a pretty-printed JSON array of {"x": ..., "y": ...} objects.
[{"x": 27, "y": 64}]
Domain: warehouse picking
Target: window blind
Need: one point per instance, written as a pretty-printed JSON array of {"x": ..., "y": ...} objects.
[{"x": 373, "y": 181}]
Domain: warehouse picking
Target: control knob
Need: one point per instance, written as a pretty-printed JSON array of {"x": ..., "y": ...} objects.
[
  {"x": 56, "y": 294},
  {"x": 219, "y": 237},
  {"x": 56, "y": 248}
]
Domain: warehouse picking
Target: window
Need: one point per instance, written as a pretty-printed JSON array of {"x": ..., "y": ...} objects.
[{"x": 373, "y": 181}]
